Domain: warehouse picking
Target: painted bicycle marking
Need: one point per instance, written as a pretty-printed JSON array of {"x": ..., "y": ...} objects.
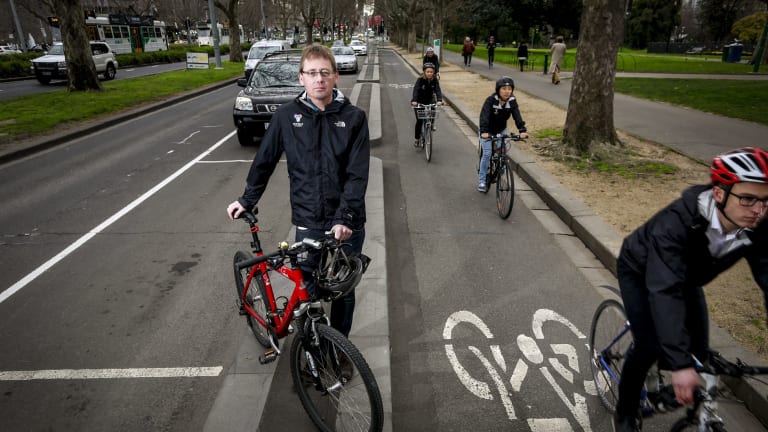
[
  {"x": 564, "y": 362},
  {"x": 399, "y": 86}
]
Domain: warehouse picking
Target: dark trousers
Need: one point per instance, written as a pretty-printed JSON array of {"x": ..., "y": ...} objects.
[
  {"x": 646, "y": 350},
  {"x": 490, "y": 59},
  {"x": 467, "y": 59},
  {"x": 342, "y": 310}
]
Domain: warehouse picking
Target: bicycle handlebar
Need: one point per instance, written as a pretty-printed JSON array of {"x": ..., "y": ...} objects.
[
  {"x": 719, "y": 365},
  {"x": 506, "y": 137}
]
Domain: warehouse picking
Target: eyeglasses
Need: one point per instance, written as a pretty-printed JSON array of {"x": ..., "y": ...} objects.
[
  {"x": 750, "y": 201},
  {"x": 325, "y": 73}
]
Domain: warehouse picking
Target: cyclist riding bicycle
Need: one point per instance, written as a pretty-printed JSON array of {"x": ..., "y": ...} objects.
[
  {"x": 494, "y": 115},
  {"x": 426, "y": 91},
  {"x": 664, "y": 264},
  {"x": 431, "y": 57}
]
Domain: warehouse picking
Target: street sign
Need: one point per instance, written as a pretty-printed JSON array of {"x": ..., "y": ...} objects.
[{"x": 197, "y": 60}]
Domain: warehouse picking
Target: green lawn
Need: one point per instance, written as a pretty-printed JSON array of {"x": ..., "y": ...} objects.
[
  {"x": 746, "y": 100},
  {"x": 27, "y": 116}
]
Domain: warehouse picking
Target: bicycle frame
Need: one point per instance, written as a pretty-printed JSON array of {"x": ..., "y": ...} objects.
[
  {"x": 264, "y": 264},
  {"x": 614, "y": 376}
]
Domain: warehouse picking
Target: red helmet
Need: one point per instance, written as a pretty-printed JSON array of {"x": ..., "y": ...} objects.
[{"x": 746, "y": 164}]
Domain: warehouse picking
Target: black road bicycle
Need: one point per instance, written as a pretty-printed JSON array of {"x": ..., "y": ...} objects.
[{"x": 500, "y": 172}]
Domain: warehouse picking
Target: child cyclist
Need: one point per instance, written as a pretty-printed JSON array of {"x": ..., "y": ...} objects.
[
  {"x": 426, "y": 91},
  {"x": 496, "y": 110}
]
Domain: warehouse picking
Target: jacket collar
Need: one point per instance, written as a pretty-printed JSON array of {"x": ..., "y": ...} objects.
[{"x": 337, "y": 101}]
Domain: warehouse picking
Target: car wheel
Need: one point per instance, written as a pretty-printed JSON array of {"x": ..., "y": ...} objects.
[
  {"x": 110, "y": 73},
  {"x": 244, "y": 137}
]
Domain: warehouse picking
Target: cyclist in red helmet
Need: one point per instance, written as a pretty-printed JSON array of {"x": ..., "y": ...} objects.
[{"x": 664, "y": 264}]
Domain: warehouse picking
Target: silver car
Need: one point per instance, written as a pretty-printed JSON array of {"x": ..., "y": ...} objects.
[
  {"x": 359, "y": 47},
  {"x": 346, "y": 60}
]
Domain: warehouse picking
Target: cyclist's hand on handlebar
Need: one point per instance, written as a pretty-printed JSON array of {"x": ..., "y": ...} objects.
[
  {"x": 235, "y": 209},
  {"x": 414, "y": 103},
  {"x": 341, "y": 232},
  {"x": 440, "y": 103},
  {"x": 485, "y": 135},
  {"x": 685, "y": 381},
  {"x": 523, "y": 135}
]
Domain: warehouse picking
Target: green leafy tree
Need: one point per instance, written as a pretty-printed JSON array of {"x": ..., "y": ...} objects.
[
  {"x": 750, "y": 29},
  {"x": 652, "y": 21},
  {"x": 718, "y": 17}
]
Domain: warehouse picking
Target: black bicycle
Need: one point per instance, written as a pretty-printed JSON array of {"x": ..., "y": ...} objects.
[
  {"x": 609, "y": 340},
  {"x": 500, "y": 172}
]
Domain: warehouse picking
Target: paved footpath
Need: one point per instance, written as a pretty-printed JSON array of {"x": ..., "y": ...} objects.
[{"x": 694, "y": 133}]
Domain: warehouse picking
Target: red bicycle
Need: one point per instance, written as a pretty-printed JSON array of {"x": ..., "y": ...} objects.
[{"x": 334, "y": 382}]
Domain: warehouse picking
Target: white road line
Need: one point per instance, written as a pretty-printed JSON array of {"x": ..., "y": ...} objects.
[
  {"x": 62, "y": 374},
  {"x": 102, "y": 226}
]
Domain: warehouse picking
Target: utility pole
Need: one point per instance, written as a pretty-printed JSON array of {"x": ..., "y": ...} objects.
[
  {"x": 22, "y": 44},
  {"x": 760, "y": 49},
  {"x": 215, "y": 30},
  {"x": 264, "y": 20}
]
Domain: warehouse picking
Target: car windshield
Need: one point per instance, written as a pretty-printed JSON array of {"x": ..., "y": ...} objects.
[
  {"x": 343, "y": 51},
  {"x": 258, "y": 52},
  {"x": 356, "y": 43},
  {"x": 275, "y": 74},
  {"x": 56, "y": 50}
]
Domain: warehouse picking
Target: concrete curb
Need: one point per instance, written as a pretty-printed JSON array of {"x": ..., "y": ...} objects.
[{"x": 604, "y": 242}]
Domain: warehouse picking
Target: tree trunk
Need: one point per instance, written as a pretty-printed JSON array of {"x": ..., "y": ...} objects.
[
  {"x": 230, "y": 11},
  {"x": 81, "y": 71},
  {"x": 589, "y": 121}
]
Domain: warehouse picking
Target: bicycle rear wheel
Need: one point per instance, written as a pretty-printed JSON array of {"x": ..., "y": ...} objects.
[
  {"x": 609, "y": 341},
  {"x": 505, "y": 189},
  {"x": 256, "y": 298},
  {"x": 344, "y": 396},
  {"x": 427, "y": 141}
]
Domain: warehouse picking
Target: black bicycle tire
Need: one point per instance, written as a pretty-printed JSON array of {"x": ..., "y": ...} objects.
[
  {"x": 369, "y": 391},
  {"x": 428, "y": 144},
  {"x": 505, "y": 184},
  {"x": 261, "y": 305},
  {"x": 603, "y": 386},
  {"x": 685, "y": 424}
]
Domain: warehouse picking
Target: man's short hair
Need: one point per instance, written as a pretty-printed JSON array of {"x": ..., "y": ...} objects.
[{"x": 317, "y": 51}]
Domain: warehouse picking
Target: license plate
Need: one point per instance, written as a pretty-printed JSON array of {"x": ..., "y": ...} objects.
[{"x": 46, "y": 73}]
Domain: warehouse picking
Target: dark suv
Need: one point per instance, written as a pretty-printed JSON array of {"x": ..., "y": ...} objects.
[{"x": 274, "y": 81}]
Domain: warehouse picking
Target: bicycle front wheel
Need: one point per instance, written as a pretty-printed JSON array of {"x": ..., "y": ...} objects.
[
  {"x": 340, "y": 393},
  {"x": 256, "y": 298},
  {"x": 685, "y": 424},
  {"x": 609, "y": 341},
  {"x": 505, "y": 189},
  {"x": 428, "y": 142}
]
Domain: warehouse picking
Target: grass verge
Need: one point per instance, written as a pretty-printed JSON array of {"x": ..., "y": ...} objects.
[
  {"x": 27, "y": 116},
  {"x": 744, "y": 100}
]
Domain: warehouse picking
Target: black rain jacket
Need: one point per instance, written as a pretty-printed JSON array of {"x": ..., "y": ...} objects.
[
  {"x": 494, "y": 116},
  {"x": 424, "y": 89},
  {"x": 671, "y": 252},
  {"x": 327, "y": 154}
]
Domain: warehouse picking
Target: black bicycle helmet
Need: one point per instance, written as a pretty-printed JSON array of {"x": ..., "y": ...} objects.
[
  {"x": 338, "y": 273},
  {"x": 504, "y": 81},
  {"x": 428, "y": 65}
]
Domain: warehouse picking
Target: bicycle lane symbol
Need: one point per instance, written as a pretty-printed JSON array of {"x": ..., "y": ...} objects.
[{"x": 530, "y": 351}]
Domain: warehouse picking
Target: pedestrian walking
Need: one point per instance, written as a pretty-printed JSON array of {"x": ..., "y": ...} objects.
[
  {"x": 491, "y": 47},
  {"x": 467, "y": 50},
  {"x": 558, "y": 53},
  {"x": 522, "y": 55}
]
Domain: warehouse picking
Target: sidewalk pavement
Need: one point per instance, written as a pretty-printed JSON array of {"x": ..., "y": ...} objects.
[{"x": 693, "y": 133}]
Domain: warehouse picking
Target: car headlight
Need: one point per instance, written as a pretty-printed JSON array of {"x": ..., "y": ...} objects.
[
  {"x": 62, "y": 64},
  {"x": 243, "y": 104}
]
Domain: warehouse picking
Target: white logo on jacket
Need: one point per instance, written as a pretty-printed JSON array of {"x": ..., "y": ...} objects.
[
  {"x": 297, "y": 122},
  {"x": 340, "y": 124}
]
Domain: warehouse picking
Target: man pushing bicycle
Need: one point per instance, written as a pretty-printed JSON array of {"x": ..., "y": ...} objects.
[{"x": 664, "y": 264}]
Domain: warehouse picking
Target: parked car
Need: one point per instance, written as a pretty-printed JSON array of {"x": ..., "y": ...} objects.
[
  {"x": 5, "y": 49},
  {"x": 260, "y": 49},
  {"x": 359, "y": 47},
  {"x": 346, "y": 60},
  {"x": 274, "y": 81},
  {"x": 54, "y": 65}
]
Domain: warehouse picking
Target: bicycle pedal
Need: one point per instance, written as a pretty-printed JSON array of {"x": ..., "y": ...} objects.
[
  {"x": 241, "y": 309},
  {"x": 269, "y": 356}
]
